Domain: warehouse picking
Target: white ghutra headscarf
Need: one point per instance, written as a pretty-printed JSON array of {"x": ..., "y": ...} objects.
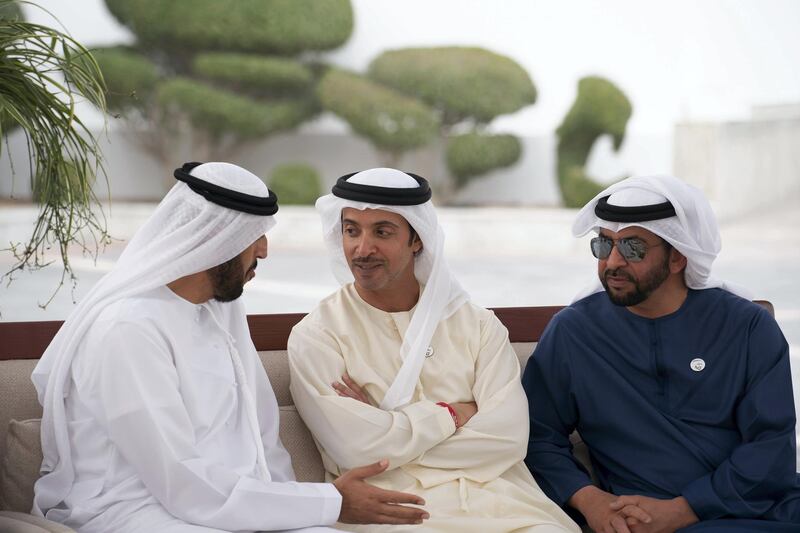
[
  {"x": 187, "y": 233},
  {"x": 692, "y": 230},
  {"x": 441, "y": 296}
]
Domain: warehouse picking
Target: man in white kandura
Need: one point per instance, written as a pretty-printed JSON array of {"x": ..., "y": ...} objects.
[
  {"x": 158, "y": 415},
  {"x": 428, "y": 380}
]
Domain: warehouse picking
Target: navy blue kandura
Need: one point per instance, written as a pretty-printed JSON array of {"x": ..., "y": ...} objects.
[{"x": 696, "y": 403}]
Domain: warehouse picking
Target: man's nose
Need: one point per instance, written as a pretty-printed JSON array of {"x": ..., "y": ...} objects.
[
  {"x": 615, "y": 259},
  {"x": 262, "y": 247},
  {"x": 365, "y": 245}
]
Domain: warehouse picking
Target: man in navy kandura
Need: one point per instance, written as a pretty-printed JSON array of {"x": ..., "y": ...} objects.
[{"x": 679, "y": 386}]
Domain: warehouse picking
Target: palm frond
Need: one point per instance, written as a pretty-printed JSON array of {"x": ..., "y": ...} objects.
[{"x": 44, "y": 73}]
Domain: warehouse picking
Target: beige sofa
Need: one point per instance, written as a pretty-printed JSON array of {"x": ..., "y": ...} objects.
[{"x": 20, "y": 452}]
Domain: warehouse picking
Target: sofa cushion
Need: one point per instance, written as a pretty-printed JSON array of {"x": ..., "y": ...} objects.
[
  {"x": 297, "y": 440},
  {"x": 21, "y": 464},
  {"x": 18, "y": 398},
  {"x": 25, "y": 523},
  {"x": 523, "y": 351},
  {"x": 276, "y": 363}
]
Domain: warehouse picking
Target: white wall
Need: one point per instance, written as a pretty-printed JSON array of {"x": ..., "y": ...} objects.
[
  {"x": 743, "y": 167},
  {"x": 135, "y": 175}
]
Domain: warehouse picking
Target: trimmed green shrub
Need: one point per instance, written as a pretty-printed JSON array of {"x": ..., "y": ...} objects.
[
  {"x": 265, "y": 26},
  {"x": 391, "y": 121},
  {"x": 130, "y": 77},
  {"x": 219, "y": 111},
  {"x": 10, "y": 11},
  {"x": 460, "y": 82},
  {"x": 254, "y": 72},
  {"x": 473, "y": 154},
  {"x": 600, "y": 108},
  {"x": 295, "y": 184},
  {"x": 215, "y": 71}
]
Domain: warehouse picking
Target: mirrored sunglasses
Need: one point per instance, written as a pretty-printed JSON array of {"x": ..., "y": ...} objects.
[{"x": 631, "y": 249}]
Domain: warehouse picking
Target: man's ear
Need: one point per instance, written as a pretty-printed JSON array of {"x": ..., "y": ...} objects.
[
  {"x": 677, "y": 261},
  {"x": 416, "y": 246}
]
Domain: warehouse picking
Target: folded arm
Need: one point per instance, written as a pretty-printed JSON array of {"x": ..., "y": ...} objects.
[
  {"x": 495, "y": 438},
  {"x": 352, "y": 432}
]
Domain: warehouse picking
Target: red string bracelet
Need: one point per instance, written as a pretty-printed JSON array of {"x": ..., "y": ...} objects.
[{"x": 452, "y": 411}]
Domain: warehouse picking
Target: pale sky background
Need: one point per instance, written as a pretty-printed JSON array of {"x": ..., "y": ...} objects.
[{"x": 677, "y": 60}]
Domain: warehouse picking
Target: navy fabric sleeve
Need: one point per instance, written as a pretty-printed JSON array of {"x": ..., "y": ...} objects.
[
  {"x": 761, "y": 470},
  {"x": 553, "y": 416}
]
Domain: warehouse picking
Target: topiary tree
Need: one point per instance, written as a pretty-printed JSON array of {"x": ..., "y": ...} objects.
[
  {"x": 600, "y": 108},
  {"x": 468, "y": 87},
  {"x": 393, "y": 122},
  {"x": 473, "y": 154},
  {"x": 130, "y": 78},
  {"x": 220, "y": 73},
  {"x": 280, "y": 27},
  {"x": 44, "y": 73},
  {"x": 414, "y": 95},
  {"x": 463, "y": 84},
  {"x": 295, "y": 184}
]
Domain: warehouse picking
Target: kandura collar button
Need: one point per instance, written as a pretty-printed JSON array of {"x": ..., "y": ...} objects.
[{"x": 697, "y": 364}]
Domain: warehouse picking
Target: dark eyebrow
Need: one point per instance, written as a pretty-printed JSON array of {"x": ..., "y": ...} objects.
[
  {"x": 376, "y": 224},
  {"x": 637, "y": 237},
  {"x": 385, "y": 223}
]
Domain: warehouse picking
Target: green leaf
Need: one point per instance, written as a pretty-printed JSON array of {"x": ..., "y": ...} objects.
[{"x": 64, "y": 155}]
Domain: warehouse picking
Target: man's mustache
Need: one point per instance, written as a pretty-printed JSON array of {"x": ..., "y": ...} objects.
[
  {"x": 365, "y": 261},
  {"x": 617, "y": 273}
]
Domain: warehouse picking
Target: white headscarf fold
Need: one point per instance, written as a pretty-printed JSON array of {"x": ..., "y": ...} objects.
[
  {"x": 693, "y": 231},
  {"x": 186, "y": 234},
  {"x": 441, "y": 296}
]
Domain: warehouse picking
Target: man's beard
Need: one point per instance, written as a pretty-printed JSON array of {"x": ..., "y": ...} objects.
[
  {"x": 642, "y": 289},
  {"x": 227, "y": 279}
]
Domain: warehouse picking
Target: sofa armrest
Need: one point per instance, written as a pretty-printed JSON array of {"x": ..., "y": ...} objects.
[{"x": 13, "y": 522}]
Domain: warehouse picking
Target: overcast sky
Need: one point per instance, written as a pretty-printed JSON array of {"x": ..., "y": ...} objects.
[{"x": 676, "y": 60}]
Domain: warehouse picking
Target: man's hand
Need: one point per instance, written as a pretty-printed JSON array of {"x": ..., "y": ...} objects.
[
  {"x": 595, "y": 505},
  {"x": 350, "y": 389},
  {"x": 363, "y": 503},
  {"x": 464, "y": 411},
  {"x": 667, "y": 515}
]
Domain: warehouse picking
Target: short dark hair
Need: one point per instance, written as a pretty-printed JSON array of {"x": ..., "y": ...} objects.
[{"x": 412, "y": 236}]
